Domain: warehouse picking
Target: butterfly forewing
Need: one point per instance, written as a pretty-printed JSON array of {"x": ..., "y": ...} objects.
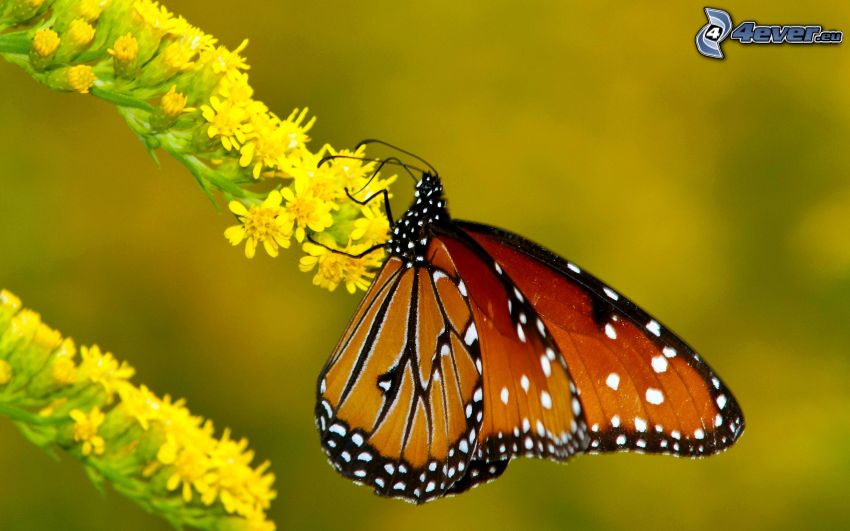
[
  {"x": 400, "y": 400},
  {"x": 642, "y": 388}
]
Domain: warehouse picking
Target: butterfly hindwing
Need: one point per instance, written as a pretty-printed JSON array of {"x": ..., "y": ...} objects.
[
  {"x": 400, "y": 399},
  {"x": 642, "y": 387},
  {"x": 531, "y": 406}
]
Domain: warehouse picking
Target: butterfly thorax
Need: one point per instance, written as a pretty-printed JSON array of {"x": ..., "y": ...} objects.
[{"x": 412, "y": 233}]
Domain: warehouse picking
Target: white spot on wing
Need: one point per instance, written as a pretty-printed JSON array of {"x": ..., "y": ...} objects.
[
  {"x": 610, "y": 331},
  {"x": 545, "y": 399},
  {"x": 471, "y": 334},
  {"x": 611, "y": 293},
  {"x": 654, "y": 327},
  {"x": 654, "y": 396},
  {"x": 659, "y": 364},
  {"x": 504, "y": 395},
  {"x": 613, "y": 381},
  {"x": 523, "y": 381},
  {"x": 547, "y": 367},
  {"x": 574, "y": 268}
]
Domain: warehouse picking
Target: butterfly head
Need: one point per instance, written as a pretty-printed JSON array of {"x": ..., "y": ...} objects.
[{"x": 412, "y": 233}]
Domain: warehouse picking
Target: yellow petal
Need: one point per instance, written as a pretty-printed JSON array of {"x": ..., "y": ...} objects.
[
  {"x": 235, "y": 234},
  {"x": 271, "y": 247},
  {"x": 238, "y": 208},
  {"x": 247, "y": 156},
  {"x": 250, "y": 247},
  {"x": 273, "y": 200}
]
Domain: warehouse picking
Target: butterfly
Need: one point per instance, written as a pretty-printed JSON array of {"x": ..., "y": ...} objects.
[{"x": 474, "y": 346}]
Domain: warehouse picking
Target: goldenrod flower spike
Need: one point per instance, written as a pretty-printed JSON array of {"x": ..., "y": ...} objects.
[
  {"x": 151, "y": 449},
  {"x": 183, "y": 92}
]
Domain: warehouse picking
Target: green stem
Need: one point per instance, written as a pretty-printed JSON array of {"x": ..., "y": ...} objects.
[
  {"x": 20, "y": 415},
  {"x": 15, "y": 43},
  {"x": 121, "y": 100},
  {"x": 202, "y": 170}
]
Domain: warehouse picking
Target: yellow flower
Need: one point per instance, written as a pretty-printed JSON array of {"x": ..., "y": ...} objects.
[
  {"x": 266, "y": 223},
  {"x": 180, "y": 54},
  {"x": 81, "y": 78},
  {"x": 227, "y": 121},
  {"x": 46, "y": 337},
  {"x": 5, "y": 372},
  {"x": 190, "y": 470},
  {"x": 125, "y": 49},
  {"x": 258, "y": 522},
  {"x": 307, "y": 210},
  {"x": 140, "y": 403},
  {"x": 234, "y": 87},
  {"x": 91, "y": 9},
  {"x": 80, "y": 32},
  {"x": 85, "y": 430},
  {"x": 224, "y": 60},
  {"x": 241, "y": 489},
  {"x": 9, "y": 300},
  {"x": 174, "y": 103},
  {"x": 64, "y": 372},
  {"x": 45, "y": 42},
  {"x": 333, "y": 269},
  {"x": 156, "y": 16},
  {"x": 373, "y": 227},
  {"x": 267, "y": 147},
  {"x": 296, "y": 130},
  {"x": 104, "y": 369},
  {"x": 24, "y": 324}
]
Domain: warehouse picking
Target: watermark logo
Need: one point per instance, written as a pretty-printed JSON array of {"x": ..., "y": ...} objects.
[
  {"x": 714, "y": 33},
  {"x": 720, "y": 27}
]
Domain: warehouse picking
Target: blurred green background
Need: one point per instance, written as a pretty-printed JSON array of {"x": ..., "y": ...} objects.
[{"x": 714, "y": 193}]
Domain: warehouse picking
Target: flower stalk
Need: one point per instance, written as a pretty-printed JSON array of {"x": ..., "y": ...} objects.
[
  {"x": 149, "y": 448},
  {"x": 182, "y": 92}
]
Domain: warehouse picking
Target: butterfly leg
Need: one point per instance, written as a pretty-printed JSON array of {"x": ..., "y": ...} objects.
[{"x": 366, "y": 201}]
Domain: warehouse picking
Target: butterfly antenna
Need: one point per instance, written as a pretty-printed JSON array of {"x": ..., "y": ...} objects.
[
  {"x": 391, "y": 146},
  {"x": 395, "y": 161},
  {"x": 343, "y": 253}
]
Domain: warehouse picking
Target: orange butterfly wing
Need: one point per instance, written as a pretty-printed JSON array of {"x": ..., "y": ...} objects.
[
  {"x": 531, "y": 406},
  {"x": 400, "y": 400},
  {"x": 642, "y": 388}
]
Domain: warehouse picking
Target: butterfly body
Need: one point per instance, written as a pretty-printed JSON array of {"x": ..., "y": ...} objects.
[{"x": 475, "y": 345}]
